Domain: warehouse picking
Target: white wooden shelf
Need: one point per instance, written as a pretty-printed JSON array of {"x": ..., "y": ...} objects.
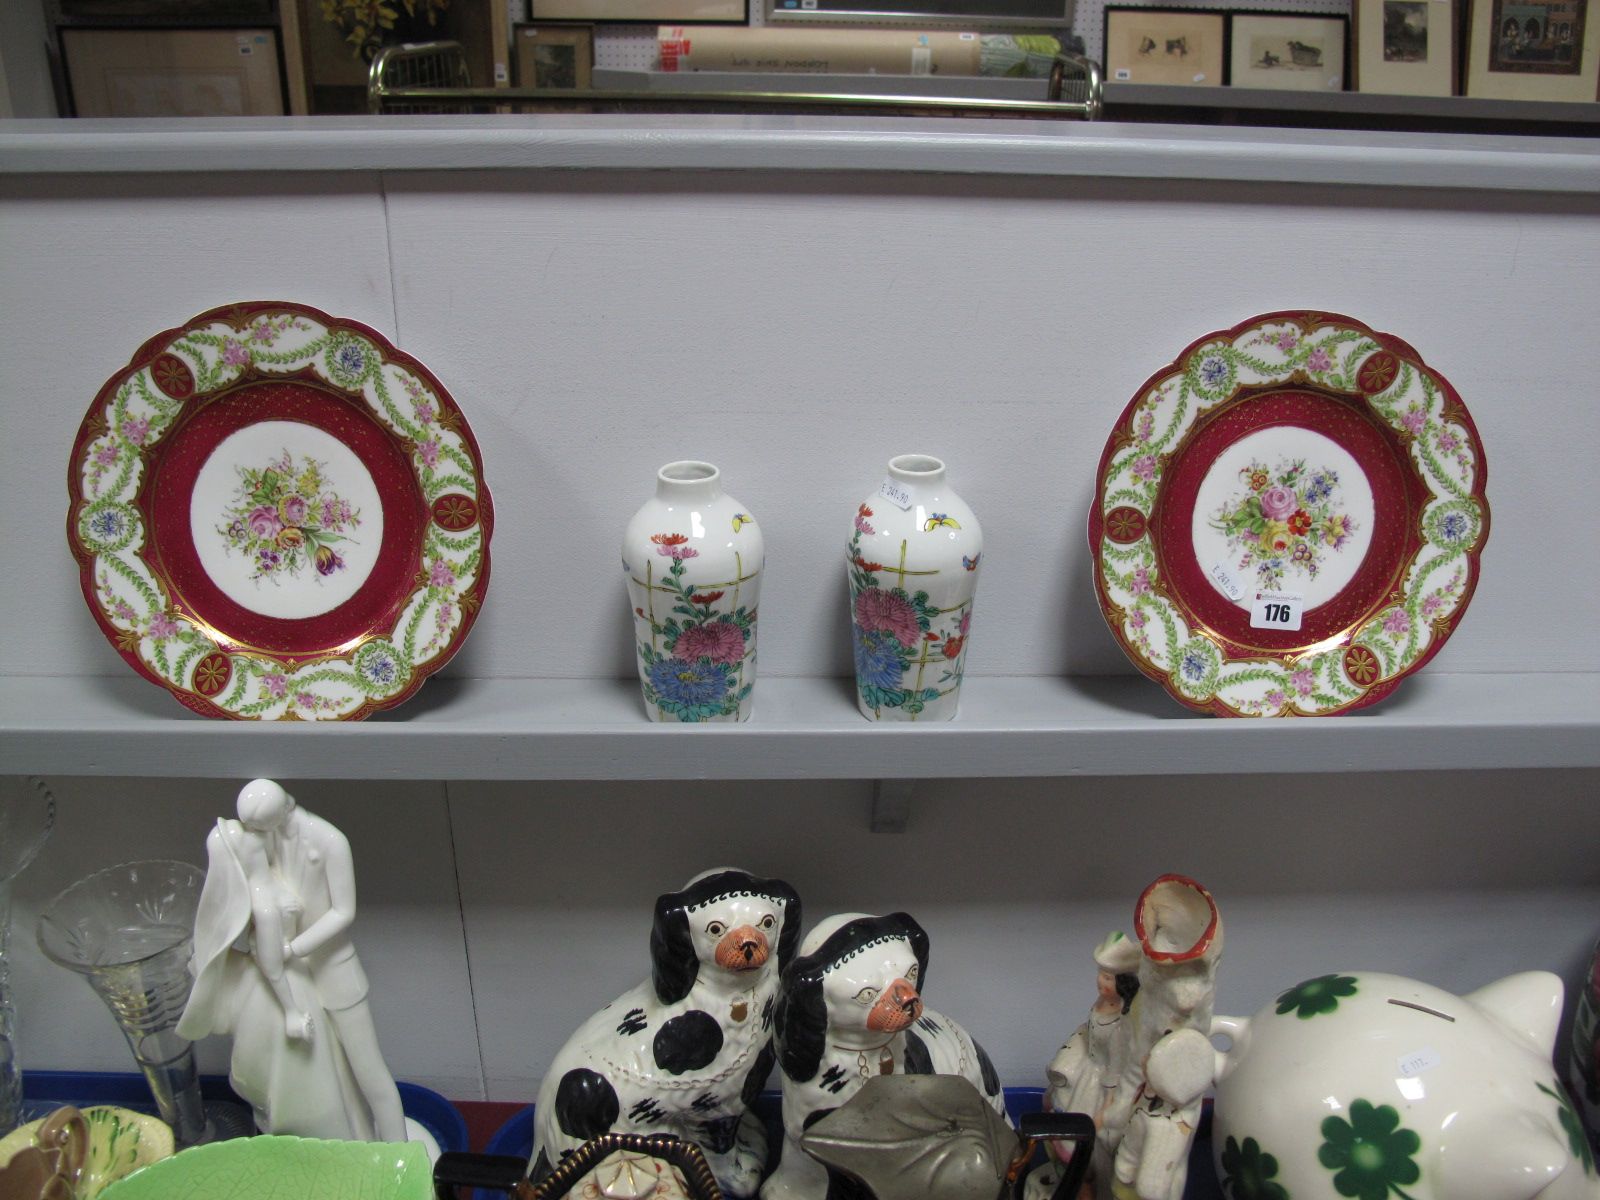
[
  {"x": 803, "y": 728},
  {"x": 785, "y": 144}
]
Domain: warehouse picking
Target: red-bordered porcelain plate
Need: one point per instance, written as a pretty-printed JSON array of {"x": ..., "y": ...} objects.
[
  {"x": 279, "y": 515},
  {"x": 1301, "y": 458}
]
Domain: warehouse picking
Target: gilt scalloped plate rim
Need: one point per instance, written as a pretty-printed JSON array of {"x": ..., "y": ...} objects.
[
  {"x": 1309, "y": 322},
  {"x": 154, "y": 348}
]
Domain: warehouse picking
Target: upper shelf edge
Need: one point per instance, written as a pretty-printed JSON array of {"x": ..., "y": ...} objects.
[
  {"x": 802, "y": 143},
  {"x": 803, "y": 728}
]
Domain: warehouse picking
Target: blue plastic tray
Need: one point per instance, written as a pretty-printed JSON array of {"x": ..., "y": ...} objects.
[
  {"x": 44, "y": 1090},
  {"x": 515, "y": 1138}
]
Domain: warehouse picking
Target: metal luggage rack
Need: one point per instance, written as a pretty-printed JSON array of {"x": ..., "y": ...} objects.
[{"x": 432, "y": 77}]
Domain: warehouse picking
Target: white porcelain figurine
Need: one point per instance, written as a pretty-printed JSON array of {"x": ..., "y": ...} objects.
[
  {"x": 1104, "y": 1071},
  {"x": 693, "y": 557},
  {"x": 1375, "y": 1086},
  {"x": 1153, "y": 1158},
  {"x": 913, "y": 560},
  {"x": 1077, "y": 1074},
  {"x": 851, "y": 1010},
  {"x": 274, "y": 967},
  {"x": 688, "y": 1050}
]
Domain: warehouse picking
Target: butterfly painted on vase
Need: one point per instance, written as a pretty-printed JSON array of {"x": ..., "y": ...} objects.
[{"x": 971, "y": 564}]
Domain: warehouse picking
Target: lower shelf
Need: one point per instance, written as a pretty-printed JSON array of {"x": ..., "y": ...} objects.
[{"x": 803, "y": 728}]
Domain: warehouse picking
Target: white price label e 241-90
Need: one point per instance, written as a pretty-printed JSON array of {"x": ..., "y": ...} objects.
[
  {"x": 895, "y": 493},
  {"x": 1230, "y": 586},
  {"x": 1277, "y": 610}
]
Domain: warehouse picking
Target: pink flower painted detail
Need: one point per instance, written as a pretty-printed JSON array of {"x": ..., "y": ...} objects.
[
  {"x": 1414, "y": 420},
  {"x": 162, "y": 627},
  {"x": 107, "y": 455},
  {"x": 1287, "y": 340},
  {"x": 441, "y": 575},
  {"x": 1277, "y": 502},
  {"x": 234, "y": 353},
  {"x": 720, "y": 641},
  {"x": 1301, "y": 680},
  {"x": 1397, "y": 622},
  {"x": 263, "y": 521},
  {"x": 1141, "y": 581},
  {"x": 1145, "y": 467},
  {"x": 1319, "y": 360},
  {"x": 276, "y": 684},
  {"x": 429, "y": 449},
  {"x": 136, "y": 429},
  {"x": 877, "y": 609},
  {"x": 1448, "y": 441}
]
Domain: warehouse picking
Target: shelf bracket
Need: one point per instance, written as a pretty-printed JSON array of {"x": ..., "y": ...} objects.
[{"x": 891, "y": 805}]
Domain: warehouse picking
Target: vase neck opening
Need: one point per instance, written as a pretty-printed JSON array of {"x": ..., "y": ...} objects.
[
  {"x": 688, "y": 483},
  {"x": 916, "y": 469}
]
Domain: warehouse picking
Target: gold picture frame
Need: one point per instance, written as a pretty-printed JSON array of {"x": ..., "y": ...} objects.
[
  {"x": 1533, "y": 49},
  {"x": 553, "y": 56},
  {"x": 1405, "y": 47},
  {"x": 1177, "y": 46}
]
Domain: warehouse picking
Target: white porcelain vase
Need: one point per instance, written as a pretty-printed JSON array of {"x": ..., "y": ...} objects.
[
  {"x": 693, "y": 557},
  {"x": 913, "y": 561}
]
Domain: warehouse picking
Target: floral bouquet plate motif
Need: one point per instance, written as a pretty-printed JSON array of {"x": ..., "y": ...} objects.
[
  {"x": 278, "y": 515},
  {"x": 1301, "y": 454}
]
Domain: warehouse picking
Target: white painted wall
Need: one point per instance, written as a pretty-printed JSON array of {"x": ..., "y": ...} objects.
[{"x": 799, "y": 329}]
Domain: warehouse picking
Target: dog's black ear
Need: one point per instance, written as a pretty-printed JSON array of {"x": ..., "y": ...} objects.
[
  {"x": 918, "y": 937},
  {"x": 789, "y": 939},
  {"x": 673, "y": 965},
  {"x": 800, "y": 1025}
]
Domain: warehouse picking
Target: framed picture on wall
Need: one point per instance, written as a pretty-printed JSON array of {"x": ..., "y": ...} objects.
[
  {"x": 554, "y": 56},
  {"x": 1405, "y": 47},
  {"x": 1186, "y": 46},
  {"x": 1287, "y": 51},
  {"x": 1533, "y": 49}
]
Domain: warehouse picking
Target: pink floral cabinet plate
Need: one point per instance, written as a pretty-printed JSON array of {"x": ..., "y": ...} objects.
[
  {"x": 1288, "y": 519},
  {"x": 277, "y": 515}
]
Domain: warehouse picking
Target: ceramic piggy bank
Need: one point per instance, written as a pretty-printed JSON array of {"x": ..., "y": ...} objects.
[{"x": 1377, "y": 1087}]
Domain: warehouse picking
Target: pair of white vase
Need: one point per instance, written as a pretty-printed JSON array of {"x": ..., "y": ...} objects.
[{"x": 694, "y": 556}]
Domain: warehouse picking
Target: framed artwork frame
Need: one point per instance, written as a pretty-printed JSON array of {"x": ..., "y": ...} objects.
[
  {"x": 553, "y": 56},
  {"x": 1405, "y": 47},
  {"x": 1176, "y": 46},
  {"x": 1533, "y": 49},
  {"x": 641, "y": 12},
  {"x": 1288, "y": 51}
]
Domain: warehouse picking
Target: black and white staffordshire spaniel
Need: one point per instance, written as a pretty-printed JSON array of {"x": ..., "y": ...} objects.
[
  {"x": 687, "y": 1050},
  {"x": 850, "y": 1008}
]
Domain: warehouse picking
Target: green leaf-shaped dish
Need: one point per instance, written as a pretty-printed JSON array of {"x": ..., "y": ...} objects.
[{"x": 284, "y": 1168}]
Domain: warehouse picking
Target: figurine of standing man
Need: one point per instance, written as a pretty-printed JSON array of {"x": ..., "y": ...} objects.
[{"x": 274, "y": 967}]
